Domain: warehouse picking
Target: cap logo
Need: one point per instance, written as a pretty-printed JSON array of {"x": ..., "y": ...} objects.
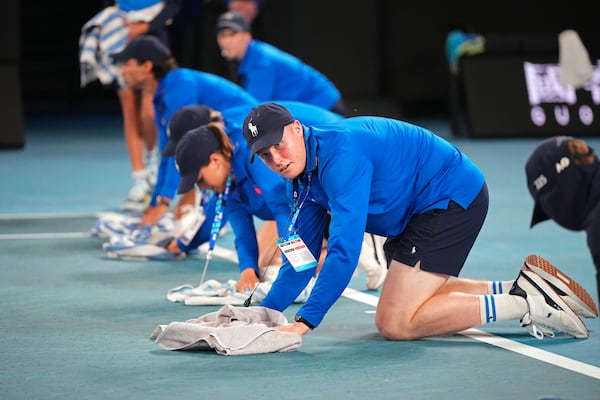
[
  {"x": 253, "y": 129},
  {"x": 562, "y": 164}
]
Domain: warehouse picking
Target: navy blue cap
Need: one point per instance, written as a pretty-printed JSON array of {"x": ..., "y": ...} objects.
[
  {"x": 234, "y": 21},
  {"x": 143, "y": 48},
  {"x": 183, "y": 120},
  {"x": 543, "y": 169},
  {"x": 191, "y": 153},
  {"x": 263, "y": 127}
]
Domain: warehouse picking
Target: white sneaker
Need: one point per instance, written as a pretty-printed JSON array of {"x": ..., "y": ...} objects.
[
  {"x": 570, "y": 291},
  {"x": 372, "y": 260},
  {"x": 548, "y": 313},
  {"x": 138, "y": 196},
  {"x": 151, "y": 167}
]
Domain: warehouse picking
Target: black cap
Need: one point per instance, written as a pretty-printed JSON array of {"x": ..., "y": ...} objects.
[
  {"x": 191, "y": 153},
  {"x": 143, "y": 48},
  {"x": 183, "y": 120},
  {"x": 234, "y": 21},
  {"x": 543, "y": 169},
  {"x": 263, "y": 127}
]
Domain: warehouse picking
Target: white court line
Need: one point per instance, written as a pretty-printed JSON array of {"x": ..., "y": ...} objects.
[
  {"x": 63, "y": 215},
  {"x": 29, "y": 236},
  {"x": 498, "y": 341}
]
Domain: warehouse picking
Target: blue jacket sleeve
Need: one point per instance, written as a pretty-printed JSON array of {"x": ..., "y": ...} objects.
[
  {"x": 246, "y": 246},
  {"x": 348, "y": 180},
  {"x": 289, "y": 283}
]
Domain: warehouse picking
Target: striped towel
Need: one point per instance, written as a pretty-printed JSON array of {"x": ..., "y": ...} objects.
[{"x": 104, "y": 34}]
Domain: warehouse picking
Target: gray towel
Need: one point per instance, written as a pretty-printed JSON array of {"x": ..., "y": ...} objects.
[{"x": 229, "y": 331}]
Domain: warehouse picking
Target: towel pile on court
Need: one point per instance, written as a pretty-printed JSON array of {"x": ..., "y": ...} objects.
[
  {"x": 128, "y": 241},
  {"x": 229, "y": 331},
  {"x": 213, "y": 292}
]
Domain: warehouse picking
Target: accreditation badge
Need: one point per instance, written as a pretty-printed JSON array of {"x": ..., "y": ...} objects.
[{"x": 297, "y": 253}]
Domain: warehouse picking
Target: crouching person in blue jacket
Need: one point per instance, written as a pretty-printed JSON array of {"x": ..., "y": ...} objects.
[{"x": 403, "y": 182}]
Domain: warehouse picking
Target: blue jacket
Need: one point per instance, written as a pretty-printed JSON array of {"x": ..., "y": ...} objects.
[
  {"x": 269, "y": 73},
  {"x": 183, "y": 87},
  {"x": 373, "y": 174},
  {"x": 258, "y": 191}
]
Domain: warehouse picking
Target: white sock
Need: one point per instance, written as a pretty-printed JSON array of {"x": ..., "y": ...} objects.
[
  {"x": 139, "y": 175},
  {"x": 501, "y": 307},
  {"x": 499, "y": 287},
  {"x": 151, "y": 156}
]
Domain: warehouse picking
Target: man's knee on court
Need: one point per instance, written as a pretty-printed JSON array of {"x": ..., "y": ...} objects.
[{"x": 393, "y": 328}]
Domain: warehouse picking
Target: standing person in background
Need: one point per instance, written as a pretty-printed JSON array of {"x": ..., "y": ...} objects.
[
  {"x": 563, "y": 177},
  {"x": 250, "y": 9},
  {"x": 144, "y": 17},
  {"x": 109, "y": 31},
  {"x": 403, "y": 182},
  {"x": 268, "y": 73},
  {"x": 149, "y": 66}
]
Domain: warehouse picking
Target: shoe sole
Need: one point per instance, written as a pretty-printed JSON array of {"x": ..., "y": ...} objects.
[
  {"x": 563, "y": 283},
  {"x": 551, "y": 296}
]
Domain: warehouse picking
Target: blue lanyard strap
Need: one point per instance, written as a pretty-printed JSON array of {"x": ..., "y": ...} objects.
[
  {"x": 218, "y": 220},
  {"x": 298, "y": 203}
]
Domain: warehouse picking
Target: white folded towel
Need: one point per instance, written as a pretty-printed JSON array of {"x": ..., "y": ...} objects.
[{"x": 213, "y": 292}]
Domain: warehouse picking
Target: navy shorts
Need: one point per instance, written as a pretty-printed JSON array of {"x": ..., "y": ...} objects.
[{"x": 441, "y": 238}]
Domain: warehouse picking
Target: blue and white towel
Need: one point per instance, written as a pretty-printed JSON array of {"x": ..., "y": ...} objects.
[{"x": 101, "y": 36}]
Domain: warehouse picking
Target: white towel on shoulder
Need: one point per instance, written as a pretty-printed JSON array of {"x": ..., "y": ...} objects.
[
  {"x": 574, "y": 60},
  {"x": 229, "y": 331},
  {"x": 104, "y": 34}
]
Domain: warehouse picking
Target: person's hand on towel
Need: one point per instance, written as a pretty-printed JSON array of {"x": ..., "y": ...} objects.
[
  {"x": 297, "y": 327},
  {"x": 248, "y": 280}
]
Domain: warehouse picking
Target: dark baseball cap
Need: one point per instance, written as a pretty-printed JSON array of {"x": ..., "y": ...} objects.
[
  {"x": 183, "y": 120},
  {"x": 191, "y": 153},
  {"x": 263, "y": 127},
  {"x": 143, "y": 48},
  {"x": 234, "y": 21},
  {"x": 542, "y": 170}
]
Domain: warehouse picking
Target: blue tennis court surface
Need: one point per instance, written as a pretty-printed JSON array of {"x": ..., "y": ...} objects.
[{"x": 76, "y": 325}]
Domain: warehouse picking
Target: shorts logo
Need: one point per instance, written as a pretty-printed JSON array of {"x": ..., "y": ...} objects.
[{"x": 253, "y": 129}]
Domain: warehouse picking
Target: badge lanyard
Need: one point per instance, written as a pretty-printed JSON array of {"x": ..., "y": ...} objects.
[
  {"x": 216, "y": 225},
  {"x": 292, "y": 245},
  {"x": 296, "y": 207}
]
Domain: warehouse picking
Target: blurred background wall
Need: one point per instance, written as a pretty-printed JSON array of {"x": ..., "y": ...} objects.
[{"x": 384, "y": 55}]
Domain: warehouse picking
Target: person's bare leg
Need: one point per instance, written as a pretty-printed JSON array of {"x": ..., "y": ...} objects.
[
  {"x": 268, "y": 252},
  {"x": 185, "y": 203},
  {"x": 147, "y": 120},
  {"x": 464, "y": 285},
  {"x": 131, "y": 128},
  {"x": 412, "y": 306}
]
